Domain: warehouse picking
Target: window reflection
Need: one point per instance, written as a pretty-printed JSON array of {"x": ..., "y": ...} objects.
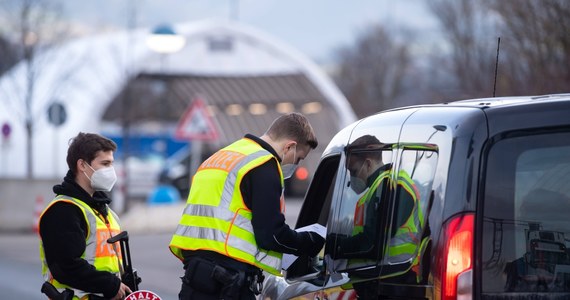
[
  {"x": 355, "y": 235},
  {"x": 381, "y": 221},
  {"x": 526, "y": 225},
  {"x": 410, "y": 237}
]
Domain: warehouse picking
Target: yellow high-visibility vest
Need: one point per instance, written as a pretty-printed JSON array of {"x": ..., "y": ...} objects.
[
  {"x": 405, "y": 243},
  {"x": 360, "y": 213},
  {"x": 102, "y": 255},
  {"x": 362, "y": 205},
  {"x": 216, "y": 218}
]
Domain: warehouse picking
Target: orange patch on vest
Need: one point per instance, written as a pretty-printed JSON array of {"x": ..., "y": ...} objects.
[
  {"x": 105, "y": 249},
  {"x": 222, "y": 160},
  {"x": 359, "y": 215}
]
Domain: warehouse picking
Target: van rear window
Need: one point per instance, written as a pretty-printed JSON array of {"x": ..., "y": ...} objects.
[{"x": 526, "y": 227}]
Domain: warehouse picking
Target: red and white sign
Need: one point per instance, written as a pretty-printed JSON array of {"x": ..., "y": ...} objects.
[
  {"x": 6, "y": 130},
  {"x": 196, "y": 123},
  {"x": 145, "y": 295}
]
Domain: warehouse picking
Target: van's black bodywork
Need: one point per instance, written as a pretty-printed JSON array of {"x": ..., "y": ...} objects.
[{"x": 462, "y": 136}]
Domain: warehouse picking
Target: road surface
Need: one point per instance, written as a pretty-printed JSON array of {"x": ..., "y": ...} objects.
[{"x": 20, "y": 268}]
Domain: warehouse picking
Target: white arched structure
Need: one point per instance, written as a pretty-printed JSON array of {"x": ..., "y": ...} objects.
[{"x": 85, "y": 75}]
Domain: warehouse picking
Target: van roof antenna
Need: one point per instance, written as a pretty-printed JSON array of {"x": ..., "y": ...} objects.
[{"x": 496, "y": 65}]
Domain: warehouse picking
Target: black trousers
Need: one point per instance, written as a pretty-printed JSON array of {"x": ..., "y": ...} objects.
[{"x": 199, "y": 282}]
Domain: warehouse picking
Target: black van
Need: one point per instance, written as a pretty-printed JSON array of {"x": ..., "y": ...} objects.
[{"x": 489, "y": 217}]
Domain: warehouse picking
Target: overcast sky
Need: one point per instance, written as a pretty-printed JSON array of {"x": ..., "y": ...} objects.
[{"x": 315, "y": 27}]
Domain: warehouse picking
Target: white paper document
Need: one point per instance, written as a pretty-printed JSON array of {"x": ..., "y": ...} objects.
[{"x": 288, "y": 259}]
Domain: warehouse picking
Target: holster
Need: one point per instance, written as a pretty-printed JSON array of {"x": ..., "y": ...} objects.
[
  {"x": 199, "y": 277},
  {"x": 227, "y": 283},
  {"x": 232, "y": 282}
]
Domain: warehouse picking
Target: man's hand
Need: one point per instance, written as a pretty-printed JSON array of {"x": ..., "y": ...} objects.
[
  {"x": 333, "y": 244},
  {"x": 123, "y": 292},
  {"x": 314, "y": 243}
]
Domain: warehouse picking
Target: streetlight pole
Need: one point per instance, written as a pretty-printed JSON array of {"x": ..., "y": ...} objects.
[
  {"x": 121, "y": 198},
  {"x": 164, "y": 40}
]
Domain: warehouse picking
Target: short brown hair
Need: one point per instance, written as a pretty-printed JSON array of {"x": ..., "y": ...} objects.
[
  {"x": 294, "y": 126},
  {"x": 364, "y": 147},
  {"x": 85, "y": 146}
]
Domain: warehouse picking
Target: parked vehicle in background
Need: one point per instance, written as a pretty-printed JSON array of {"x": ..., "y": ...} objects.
[
  {"x": 175, "y": 173},
  {"x": 141, "y": 176},
  {"x": 138, "y": 174},
  {"x": 490, "y": 217}
]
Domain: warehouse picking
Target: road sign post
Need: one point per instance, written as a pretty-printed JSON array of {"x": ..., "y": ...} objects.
[
  {"x": 196, "y": 126},
  {"x": 57, "y": 115},
  {"x": 6, "y": 131}
]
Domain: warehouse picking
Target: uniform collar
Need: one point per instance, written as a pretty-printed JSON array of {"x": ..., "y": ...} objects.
[
  {"x": 263, "y": 144},
  {"x": 69, "y": 187},
  {"x": 370, "y": 180}
]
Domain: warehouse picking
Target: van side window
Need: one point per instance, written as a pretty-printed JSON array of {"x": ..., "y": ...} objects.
[
  {"x": 409, "y": 237},
  {"x": 380, "y": 227},
  {"x": 526, "y": 226},
  {"x": 316, "y": 208},
  {"x": 353, "y": 237}
]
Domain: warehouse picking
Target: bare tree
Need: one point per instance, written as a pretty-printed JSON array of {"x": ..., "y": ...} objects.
[
  {"x": 534, "y": 49},
  {"x": 537, "y": 45},
  {"x": 34, "y": 26},
  {"x": 8, "y": 54},
  {"x": 468, "y": 56},
  {"x": 372, "y": 70}
]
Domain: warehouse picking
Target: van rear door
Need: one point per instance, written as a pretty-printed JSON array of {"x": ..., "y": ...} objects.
[{"x": 525, "y": 201}]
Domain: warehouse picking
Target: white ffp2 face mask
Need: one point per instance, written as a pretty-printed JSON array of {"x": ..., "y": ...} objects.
[
  {"x": 103, "y": 179},
  {"x": 357, "y": 184},
  {"x": 289, "y": 169}
]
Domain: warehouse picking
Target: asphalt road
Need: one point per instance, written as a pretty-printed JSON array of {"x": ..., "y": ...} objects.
[{"x": 20, "y": 269}]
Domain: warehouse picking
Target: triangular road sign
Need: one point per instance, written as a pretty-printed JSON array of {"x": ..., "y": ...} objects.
[{"x": 196, "y": 124}]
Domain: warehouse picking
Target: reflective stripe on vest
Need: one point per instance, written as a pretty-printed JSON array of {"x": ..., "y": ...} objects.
[
  {"x": 362, "y": 204},
  {"x": 360, "y": 215},
  {"x": 100, "y": 254},
  {"x": 404, "y": 244},
  {"x": 215, "y": 217}
]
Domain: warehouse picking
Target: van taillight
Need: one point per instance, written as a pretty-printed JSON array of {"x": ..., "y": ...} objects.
[{"x": 458, "y": 255}]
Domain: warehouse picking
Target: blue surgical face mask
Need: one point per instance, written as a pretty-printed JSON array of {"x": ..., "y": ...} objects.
[{"x": 289, "y": 169}]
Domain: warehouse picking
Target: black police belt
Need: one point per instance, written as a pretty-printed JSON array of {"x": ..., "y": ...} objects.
[{"x": 232, "y": 281}]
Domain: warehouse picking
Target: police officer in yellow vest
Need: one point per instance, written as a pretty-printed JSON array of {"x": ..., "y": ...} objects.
[
  {"x": 369, "y": 178},
  {"x": 75, "y": 226},
  {"x": 372, "y": 178},
  {"x": 233, "y": 226}
]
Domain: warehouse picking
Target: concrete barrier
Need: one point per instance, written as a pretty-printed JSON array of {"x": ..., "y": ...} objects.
[
  {"x": 19, "y": 208},
  {"x": 19, "y": 202}
]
